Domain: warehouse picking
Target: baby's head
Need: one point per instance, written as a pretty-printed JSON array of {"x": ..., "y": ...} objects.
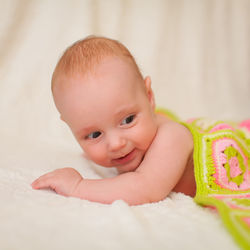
[
  {"x": 100, "y": 93},
  {"x": 85, "y": 55}
]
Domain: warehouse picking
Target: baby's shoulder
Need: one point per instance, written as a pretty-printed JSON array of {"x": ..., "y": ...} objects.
[
  {"x": 172, "y": 130},
  {"x": 167, "y": 124}
]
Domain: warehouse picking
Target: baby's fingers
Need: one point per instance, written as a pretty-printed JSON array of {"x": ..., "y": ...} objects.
[{"x": 43, "y": 181}]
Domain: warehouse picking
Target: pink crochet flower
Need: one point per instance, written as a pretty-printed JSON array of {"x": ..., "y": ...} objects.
[{"x": 229, "y": 162}]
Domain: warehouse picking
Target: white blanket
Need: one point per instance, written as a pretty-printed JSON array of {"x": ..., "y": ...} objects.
[{"x": 197, "y": 53}]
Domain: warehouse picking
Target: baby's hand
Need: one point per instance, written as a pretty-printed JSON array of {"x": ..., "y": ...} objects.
[{"x": 63, "y": 181}]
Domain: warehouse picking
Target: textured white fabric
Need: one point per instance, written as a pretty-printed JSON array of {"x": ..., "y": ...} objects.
[{"x": 197, "y": 53}]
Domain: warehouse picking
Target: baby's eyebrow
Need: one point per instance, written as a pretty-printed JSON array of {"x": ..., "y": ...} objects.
[
  {"x": 124, "y": 110},
  {"x": 120, "y": 113},
  {"x": 84, "y": 130}
]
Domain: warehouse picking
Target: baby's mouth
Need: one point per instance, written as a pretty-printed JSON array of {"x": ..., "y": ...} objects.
[{"x": 126, "y": 158}]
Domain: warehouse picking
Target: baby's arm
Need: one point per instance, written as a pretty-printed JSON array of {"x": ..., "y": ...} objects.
[
  {"x": 129, "y": 187},
  {"x": 153, "y": 180}
]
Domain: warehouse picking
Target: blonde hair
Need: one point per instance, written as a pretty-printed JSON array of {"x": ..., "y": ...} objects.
[{"x": 84, "y": 55}]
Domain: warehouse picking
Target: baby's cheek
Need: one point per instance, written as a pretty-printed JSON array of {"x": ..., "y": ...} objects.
[
  {"x": 146, "y": 135},
  {"x": 99, "y": 157}
]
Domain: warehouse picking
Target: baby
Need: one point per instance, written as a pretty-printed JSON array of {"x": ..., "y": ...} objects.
[{"x": 110, "y": 109}]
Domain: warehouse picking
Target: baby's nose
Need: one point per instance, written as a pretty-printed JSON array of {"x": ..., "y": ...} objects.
[{"x": 116, "y": 142}]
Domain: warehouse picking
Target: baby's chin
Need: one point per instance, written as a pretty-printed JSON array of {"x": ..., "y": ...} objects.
[{"x": 129, "y": 168}]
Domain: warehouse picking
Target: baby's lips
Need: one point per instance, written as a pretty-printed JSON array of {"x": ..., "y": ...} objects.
[{"x": 126, "y": 158}]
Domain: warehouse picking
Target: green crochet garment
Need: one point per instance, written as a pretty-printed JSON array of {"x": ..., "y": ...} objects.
[{"x": 222, "y": 171}]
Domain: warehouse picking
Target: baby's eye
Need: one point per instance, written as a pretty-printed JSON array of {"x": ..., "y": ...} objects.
[
  {"x": 128, "y": 120},
  {"x": 93, "y": 135}
]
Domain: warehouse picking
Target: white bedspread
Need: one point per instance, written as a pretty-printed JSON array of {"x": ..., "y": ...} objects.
[{"x": 197, "y": 53}]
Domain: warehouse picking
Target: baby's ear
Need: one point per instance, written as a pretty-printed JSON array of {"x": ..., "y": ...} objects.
[{"x": 149, "y": 91}]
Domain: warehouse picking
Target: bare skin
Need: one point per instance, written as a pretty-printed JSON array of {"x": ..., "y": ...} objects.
[
  {"x": 186, "y": 184},
  {"x": 152, "y": 153}
]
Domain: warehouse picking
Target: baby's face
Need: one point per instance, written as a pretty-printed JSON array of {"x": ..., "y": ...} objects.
[{"x": 111, "y": 114}]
